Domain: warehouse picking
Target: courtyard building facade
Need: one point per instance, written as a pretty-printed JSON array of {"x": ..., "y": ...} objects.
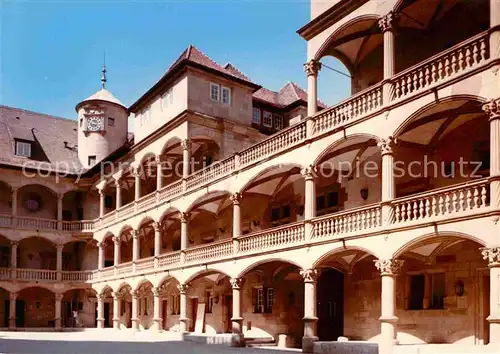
[{"x": 271, "y": 216}]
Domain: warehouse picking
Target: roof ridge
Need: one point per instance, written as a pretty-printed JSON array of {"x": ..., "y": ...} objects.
[{"x": 39, "y": 113}]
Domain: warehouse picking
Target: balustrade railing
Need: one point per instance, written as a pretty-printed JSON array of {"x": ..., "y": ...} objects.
[
  {"x": 210, "y": 251},
  {"x": 78, "y": 276},
  {"x": 167, "y": 192},
  {"x": 451, "y": 62},
  {"x": 6, "y": 220},
  {"x": 5, "y": 273},
  {"x": 147, "y": 201},
  {"x": 274, "y": 238},
  {"x": 126, "y": 210},
  {"x": 36, "y": 274},
  {"x": 362, "y": 103},
  {"x": 36, "y": 223},
  {"x": 442, "y": 202},
  {"x": 124, "y": 268},
  {"x": 345, "y": 222},
  {"x": 210, "y": 173},
  {"x": 107, "y": 272},
  {"x": 144, "y": 264},
  {"x": 166, "y": 259}
]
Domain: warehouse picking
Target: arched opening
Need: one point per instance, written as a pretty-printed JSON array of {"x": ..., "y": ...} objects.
[
  {"x": 5, "y": 252},
  {"x": 171, "y": 160},
  {"x": 126, "y": 245},
  {"x": 107, "y": 308},
  {"x": 427, "y": 155},
  {"x": 348, "y": 175},
  {"x": 36, "y": 253},
  {"x": 37, "y": 201},
  {"x": 125, "y": 315},
  {"x": 273, "y": 198},
  {"x": 5, "y": 199},
  {"x": 170, "y": 231},
  {"x": 148, "y": 170},
  {"x": 79, "y": 255},
  {"x": 109, "y": 251},
  {"x": 73, "y": 205},
  {"x": 145, "y": 308},
  {"x": 444, "y": 276},
  {"x": 346, "y": 280},
  {"x": 146, "y": 239},
  {"x": 4, "y": 307},
  {"x": 273, "y": 303},
  {"x": 204, "y": 152},
  {"x": 170, "y": 303},
  {"x": 35, "y": 308},
  {"x": 78, "y": 308}
]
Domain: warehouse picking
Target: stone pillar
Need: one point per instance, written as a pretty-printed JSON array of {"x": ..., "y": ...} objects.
[
  {"x": 135, "y": 310},
  {"x": 389, "y": 269},
  {"x": 309, "y": 174},
  {"x": 100, "y": 257},
  {"x": 237, "y": 320},
  {"x": 14, "y": 201},
  {"x": 59, "y": 261},
  {"x": 117, "y": 296},
  {"x": 157, "y": 319},
  {"x": 13, "y": 259},
  {"x": 495, "y": 34},
  {"x": 492, "y": 109},
  {"x": 184, "y": 234},
  {"x": 236, "y": 199},
  {"x": 137, "y": 183},
  {"x": 186, "y": 157},
  {"x": 388, "y": 185},
  {"x": 310, "y": 318},
  {"x": 183, "y": 319},
  {"x": 492, "y": 255},
  {"x": 117, "y": 251},
  {"x": 12, "y": 310},
  {"x": 59, "y": 211},
  {"x": 386, "y": 24},
  {"x": 57, "y": 320},
  {"x": 118, "y": 185},
  {"x": 427, "y": 292},
  {"x": 102, "y": 205},
  {"x": 157, "y": 229},
  {"x": 312, "y": 68},
  {"x": 136, "y": 252},
  {"x": 159, "y": 173},
  {"x": 100, "y": 310}
]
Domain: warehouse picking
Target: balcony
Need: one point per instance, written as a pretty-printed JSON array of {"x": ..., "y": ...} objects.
[
  {"x": 30, "y": 223},
  {"x": 46, "y": 275}
]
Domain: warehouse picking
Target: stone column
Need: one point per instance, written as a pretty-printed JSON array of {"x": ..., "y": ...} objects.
[
  {"x": 13, "y": 259},
  {"x": 186, "y": 157},
  {"x": 100, "y": 310},
  {"x": 309, "y": 174},
  {"x": 237, "y": 320},
  {"x": 59, "y": 211},
  {"x": 492, "y": 255},
  {"x": 137, "y": 183},
  {"x": 157, "y": 229},
  {"x": 100, "y": 257},
  {"x": 118, "y": 185},
  {"x": 184, "y": 234},
  {"x": 388, "y": 185},
  {"x": 136, "y": 252},
  {"x": 58, "y": 298},
  {"x": 492, "y": 109},
  {"x": 12, "y": 310},
  {"x": 117, "y": 250},
  {"x": 183, "y": 319},
  {"x": 135, "y": 310},
  {"x": 59, "y": 261},
  {"x": 312, "y": 68},
  {"x": 117, "y": 296},
  {"x": 495, "y": 34},
  {"x": 427, "y": 292},
  {"x": 236, "y": 199},
  {"x": 389, "y": 269},
  {"x": 159, "y": 173},
  {"x": 157, "y": 319},
  {"x": 102, "y": 205},
  {"x": 14, "y": 201},
  {"x": 310, "y": 318},
  {"x": 386, "y": 24}
]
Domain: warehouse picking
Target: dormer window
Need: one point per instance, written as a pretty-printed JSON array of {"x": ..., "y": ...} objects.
[{"x": 23, "y": 149}]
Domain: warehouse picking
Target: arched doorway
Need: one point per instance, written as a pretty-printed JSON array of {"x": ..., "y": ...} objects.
[{"x": 35, "y": 308}]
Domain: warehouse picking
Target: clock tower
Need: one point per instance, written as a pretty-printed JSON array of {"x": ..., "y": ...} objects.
[{"x": 102, "y": 125}]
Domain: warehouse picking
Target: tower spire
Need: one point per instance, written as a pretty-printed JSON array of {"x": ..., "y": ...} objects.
[{"x": 103, "y": 77}]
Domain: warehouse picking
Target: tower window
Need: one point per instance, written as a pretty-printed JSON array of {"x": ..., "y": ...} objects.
[
  {"x": 23, "y": 149},
  {"x": 111, "y": 122},
  {"x": 214, "y": 92},
  {"x": 92, "y": 160}
]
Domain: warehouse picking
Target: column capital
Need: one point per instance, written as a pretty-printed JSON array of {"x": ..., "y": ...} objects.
[
  {"x": 101, "y": 297},
  {"x": 14, "y": 189},
  {"x": 492, "y": 108},
  {"x": 387, "y": 22},
  {"x": 158, "y": 159},
  {"x": 101, "y": 192},
  {"x": 117, "y": 295},
  {"x": 137, "y": 171},
  {"x": 101, "y": 244},
  {"x": 59, "y": 247},
  {"x": 156, "y": 291},
  {"x": 117, "y": 240},
  {"x": 14, "y": 243},
  {"x": 309, "y": 275},
  {"x": 118, "y": 183},
  {"x": 492, "y": 255},
  {"x": 236, "y": 198},
  {"x": 312, "y": 67},
  {"x": 184, "y": 216},
  {"x": 58, "y": 297},
  {"x": 135, "y": 234},
  {"x": 13, "y": 296},
  {"x": 183, "y": 288},
  {"x": 135, "y": 294},
  {"x": 387, "y": 145},
  {"x": 157, "y": 226},
  {"x": 309, "y": 172},
  {"x": 236, "y": 283},
  {"x": 389, "y": 266},
  {"x": 185, "y": 144},
  {"x": 60, "y": 196}
]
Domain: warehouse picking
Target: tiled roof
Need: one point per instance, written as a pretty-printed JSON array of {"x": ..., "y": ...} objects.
[
  {"x": 235, "y": 71},
  {"x": 103, "y": 95},
  {"x": 48, "y": 134},
  {"x": 288, "y": 94}
]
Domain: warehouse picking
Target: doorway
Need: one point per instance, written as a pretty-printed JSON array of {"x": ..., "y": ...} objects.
[
  {"x": 20, "y": 313},
  {"x": 330, "y": 305},
  {"x": 229, "y": 312},
  {"x": 194, "y": 309},
  {"x": 107, "y": 322}
]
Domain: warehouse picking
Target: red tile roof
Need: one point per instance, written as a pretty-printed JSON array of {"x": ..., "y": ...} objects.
[{"x": 287, "y": 95}]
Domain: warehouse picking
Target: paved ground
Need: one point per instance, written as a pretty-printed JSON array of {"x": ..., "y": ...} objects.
[{"x": 110, "y": 343}]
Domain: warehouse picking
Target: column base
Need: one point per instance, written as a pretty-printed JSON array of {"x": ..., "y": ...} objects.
[
  {"x": 57, "y": 324},
  {"x": 308, "y": 344},
  {"x": 135, "y": 324},
  {"x": 157, "y": 324},
  {"x": 116, "y": 323},
  {"x": 494, "y": 330},
  {"x": 12, "y": 323},
  {"x": 100, "y": 323},
  {"x": 183, "y": 324},
  {"x": 388, "y": 319}
]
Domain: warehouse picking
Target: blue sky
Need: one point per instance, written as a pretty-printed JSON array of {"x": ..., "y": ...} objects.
[{"x": 52, "y": 51}]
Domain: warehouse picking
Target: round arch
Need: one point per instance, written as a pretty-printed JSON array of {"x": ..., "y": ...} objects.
[
  {"x": 40, "y": 237},
  {"x": 165, "y": 278},
  {"x": 255, "y": 178},
  {"x": 122, "y": 284},
  {"x": 142, "y": 282},
  {"x": 168, "y": 213},
  {"x": 208, "y": 198},
  {"x": 204, "y": 272},
  {"x": 171, "y": 143},
  {"x": 37, "y": 185},
  {"x": 254, "y": 265}
]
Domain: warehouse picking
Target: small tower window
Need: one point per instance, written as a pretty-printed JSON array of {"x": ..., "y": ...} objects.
[
  {"x": 111, "y": 122},
  {"x": 92, "y": 160},
  {"x": 23, "y": 149}
]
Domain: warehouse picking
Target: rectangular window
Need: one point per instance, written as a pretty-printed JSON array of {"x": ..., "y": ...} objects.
[
  {"x": 268, "y": 119},
  {"x": 23, "y": 149},
  {"x": 256, "y": 115},
  {"x": 437, "y": 290},
  {"x": 167, "y": 99},
  {"x": 275, "y": 214},
  {"x": 81, "y": 122},
  {"x": 226, "y": 95},
  {"x": 278, "y": 121},
  {"x": 111, "y": 122},
  {"x": 175, "y": 304},
  {"x": 209, "y": 301},
  {"x": 269, "y": 300},
  {"x": 214, "y": 92},
  {"x": 417, "y": 291},
  {"x": 92, "y": 160},
  {"x": 262, "y": 300}
]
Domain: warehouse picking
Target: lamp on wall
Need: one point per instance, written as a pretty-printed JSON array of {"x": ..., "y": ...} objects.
[{"x": 364, "y": 193}]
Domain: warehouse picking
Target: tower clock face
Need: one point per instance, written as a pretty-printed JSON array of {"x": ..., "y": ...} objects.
[{"x": 94, "y": 124}]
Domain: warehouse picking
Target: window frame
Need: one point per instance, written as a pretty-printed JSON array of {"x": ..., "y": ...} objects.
[
  {"x": 228, "y": 89},
  {"x": 214, "y": 85},
  {"x": 270, "y": 125},
  {"x": 280, "y": 116},
  {"x": 94, "y": 157},
  {"x": 257, "y": 109},
  {"x": 111, "y": 122},
  {"x": 23, "y": 148}
]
